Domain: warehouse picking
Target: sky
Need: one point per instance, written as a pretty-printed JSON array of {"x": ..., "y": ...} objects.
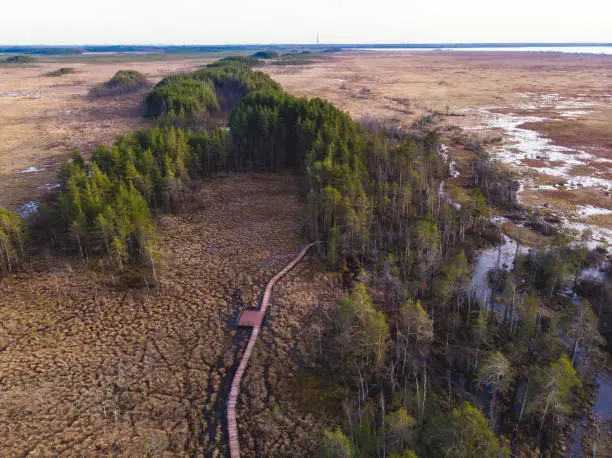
[{"x": 64, "y": 22}]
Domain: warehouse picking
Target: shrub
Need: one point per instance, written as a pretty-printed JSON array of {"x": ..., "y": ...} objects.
[
  {"x": 61, "y": 72},
  {"x": 19, "y": 59},
  {"x": 265, "y": 55}
]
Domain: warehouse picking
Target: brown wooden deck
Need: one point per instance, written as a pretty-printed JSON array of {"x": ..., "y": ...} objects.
[
  {"x": 250, "y": 318},
  {"x": 254, "y": 317}
]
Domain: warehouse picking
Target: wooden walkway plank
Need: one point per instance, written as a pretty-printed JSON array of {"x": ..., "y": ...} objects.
[{"x": 232, "y": 427}]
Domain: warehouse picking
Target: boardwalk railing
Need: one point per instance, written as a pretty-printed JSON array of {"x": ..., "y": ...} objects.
[{"x": 235, "y": 390}]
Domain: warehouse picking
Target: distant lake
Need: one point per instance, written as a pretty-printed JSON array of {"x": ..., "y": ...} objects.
[{"x": 565, "y": 49}]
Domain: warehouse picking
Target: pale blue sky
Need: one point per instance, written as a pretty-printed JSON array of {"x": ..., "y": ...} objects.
[{"x": 289, "y": 21}]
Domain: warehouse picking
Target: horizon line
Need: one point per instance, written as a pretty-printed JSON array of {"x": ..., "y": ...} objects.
[{"x": 340, "y": 44}]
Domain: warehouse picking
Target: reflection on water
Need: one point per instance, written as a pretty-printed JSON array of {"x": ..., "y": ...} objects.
[
  {"x": 500, "y": 257},
  {"x": 603, "y": 402},
  {"x": 593, "y": 274}
]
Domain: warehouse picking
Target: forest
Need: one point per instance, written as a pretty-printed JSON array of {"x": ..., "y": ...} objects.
[{"x": 416, "y": 364}]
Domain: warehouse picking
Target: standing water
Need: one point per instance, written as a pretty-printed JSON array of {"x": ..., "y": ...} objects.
[
  {"x": 504, "y": 257},
  {"x": 500, "y": 257}
]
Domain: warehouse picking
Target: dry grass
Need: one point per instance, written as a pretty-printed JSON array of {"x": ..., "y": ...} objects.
[
  {"x": 600, "y": 220},
  {"x": 593, "y": 134},
  {"x": 450, "y": 82},
  {"x": 540, "y": 163},
  {"x": 601, "y": 169},
  {"x": 525, "y": 236},
  {"x": 88, "y": 369},
  {"x": 566, "y": 199},
  {"x": 43, "y": 119},
  {"x": 458, "y": 85}
]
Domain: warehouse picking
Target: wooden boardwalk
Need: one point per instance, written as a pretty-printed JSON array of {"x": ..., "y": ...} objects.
[{"x": 235, "y": 390}]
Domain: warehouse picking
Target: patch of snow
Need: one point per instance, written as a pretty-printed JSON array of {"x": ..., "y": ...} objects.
[
  {"x": 574, "y": 114},
  {"x": 546, "y": 187},
  {"x": 585, "y": 211},
  {"x": 452, "y": 165},
  {"x": 592, "y": 274},
  {"x": 568, "y": 108},
  {"x": 28, "y": 209},
  {"x": 49, "y": 187},
  {"x": 31, "y": 94},
  {"x": 590, "y": 182},
  {"x": 573, "y": 105},
  {"x": 601, "y": 235},
  {"x": 519, "y": 191},
  {"x": 499, "y": 220},
  {"x": 31, "y": 170},
  {"x": 557, "y": 161},
  {"x": 525, "y": 144}
]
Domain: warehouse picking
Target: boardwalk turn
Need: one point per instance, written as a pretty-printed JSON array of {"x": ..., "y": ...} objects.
[{"x": 235, "y": 390}]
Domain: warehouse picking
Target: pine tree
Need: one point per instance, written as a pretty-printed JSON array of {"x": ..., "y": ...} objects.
[{"x": 12, "y": 254}]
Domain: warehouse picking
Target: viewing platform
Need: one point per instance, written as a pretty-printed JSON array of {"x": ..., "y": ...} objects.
[{"x": 250, "y": 318}]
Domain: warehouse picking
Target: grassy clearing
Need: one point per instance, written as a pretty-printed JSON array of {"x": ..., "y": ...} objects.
[
  {"x": 567, "y": 199},
  {"x": 525, "y": 236}
]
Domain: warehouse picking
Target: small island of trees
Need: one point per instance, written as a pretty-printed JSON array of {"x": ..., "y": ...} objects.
[
  {"x": 265, "y": 54},
  {"x": 19, "y": 59},
  {"x": 123, "y": 82}
]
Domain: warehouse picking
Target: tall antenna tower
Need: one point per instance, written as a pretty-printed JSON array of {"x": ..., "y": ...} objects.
[{"x": 317, "y": 39}]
